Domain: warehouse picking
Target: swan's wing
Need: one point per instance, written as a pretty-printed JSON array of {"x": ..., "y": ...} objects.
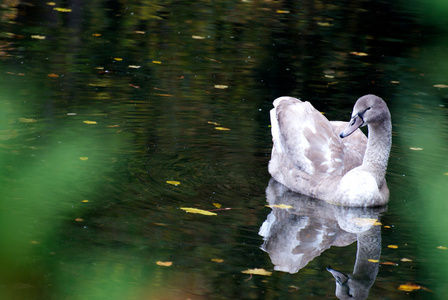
[
  {"x": 306, "y": 137},
  {"x": 354, "y": 145}
]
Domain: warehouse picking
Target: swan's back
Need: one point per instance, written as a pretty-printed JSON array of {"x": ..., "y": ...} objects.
[{"x": 306, "y": 143}]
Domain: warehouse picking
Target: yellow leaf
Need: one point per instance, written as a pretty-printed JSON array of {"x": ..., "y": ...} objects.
[
  {"x": 217, "y": 205},
  {"x": 198, "y": 37},
  {"x": 386, "y": 226},
  {"x": 63, "y": 10},
  {"x": 358, "y": 53},
  {"x": 395, "y": 81},
  {"x": 257, "y": 272},
  {"x": 85, "y": 201},
  {"x": 281, "y": 206},
  {"x": 218, "y": 260},
  {"x": 409, "y": 287},
  {"x": 90, "y": 122},
  {"x": 79, "y": 220},
  {"x": 96, "y": 34},
  {"x": 118, "y": 59},
  {"x": 52, "y": 75},
  {"x": 51, "y": 3},
  {"x": 404, "y": 259},
  {"x": 198, "y": 211},
  {"x": 445, "y": 173},
  {"x": 440, "y": 86},
  {"x": 173, "y": 182},
  {"x": 282, "y": 11},
  {"x": 27, "y": 120},
  {"x": 416, "y": 148},
  {"x": 213, "y": 123},
  {"x": 83, "y": 158},
  {"x": 392, "y": 246},
  {"x": 221, "y": 86},
  {"x": 325, "y": 24},
  {"x": 156, "y": 62},
  {"x": 221, "y": 128},
  {"x": 442, "y": 247},
  {"x": 164, "y": 263},
  {"x": 38, "y": 37}
]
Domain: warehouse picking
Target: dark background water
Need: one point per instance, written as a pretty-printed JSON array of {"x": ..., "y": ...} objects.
[{"x": 103, "y": 102}]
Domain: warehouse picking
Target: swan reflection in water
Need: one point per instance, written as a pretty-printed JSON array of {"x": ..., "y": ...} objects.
[{"x": 299, "y": 228}]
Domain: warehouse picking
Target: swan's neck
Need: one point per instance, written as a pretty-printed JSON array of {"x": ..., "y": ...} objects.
[{"x": 378, "y": 148}]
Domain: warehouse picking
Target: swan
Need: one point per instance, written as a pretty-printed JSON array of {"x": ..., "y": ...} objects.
[{"x": 332, "y": 161}]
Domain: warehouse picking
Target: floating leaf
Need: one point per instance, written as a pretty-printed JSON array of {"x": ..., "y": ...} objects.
[
  {"x": 85, "y": 201},
  {"x": 164, "y": 263},
  {"x": 392, "y": 246},
  {"x": 395, "y": 81},
  {"x": 281, "y": 206},
  {"x": 96, "y": 34},
  {"x": 134, "y": 67},
  {"x": 445, "y": 173},
  {"x": 51, "y": 3},
  {"x": 90, "y": 122},
  {"x": 257, "y": 272},
  {"x": 221, "y": 128},
  {"x": 221, "y": 86},
  {"x": 389, "y": 263},
  {"x": 442, "y": 247},
  {"x": 218, "y": 260},
  {"x": 83, "y": 158},
  {"x": 358, "y": 53},
  {"x": 409, "y": 287},
  {"x": 52, "y": 75},
  {"x": 198, "y": 211},
  {"x": 373, "y": 260},
  {"x": 217, "y": 205},
  {"x": 156, "y": 62},
  {"x": 440, "y": 86},
  {"x": 386, "y": 226},
  {"x": 173, "y": 182},
  {"x": 416, "y": 148},
  {"x": 404, "y": 259},
  {"x": 118, "y": 59},
  {"x": 38, "y": 37},
  {"x": 325, "y": 24},
  {"x": 198, "y": 37},
  {"x": 27, "y": 120},
  {"x": 282, "y": 11},
  {"x": 79, "y": 220},
  {"x": 63, "y": 10}
]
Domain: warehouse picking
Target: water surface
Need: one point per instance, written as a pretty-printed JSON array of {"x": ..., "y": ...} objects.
[{"x": 104, "y": 104}]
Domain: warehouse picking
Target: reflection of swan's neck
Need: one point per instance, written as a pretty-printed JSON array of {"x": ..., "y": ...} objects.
[
  {"x": 368, "y": 255},
  {"x": 378, "y": 148}
]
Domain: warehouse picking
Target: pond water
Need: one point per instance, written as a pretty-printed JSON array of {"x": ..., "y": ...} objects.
[{"x": 116, "y": 115}]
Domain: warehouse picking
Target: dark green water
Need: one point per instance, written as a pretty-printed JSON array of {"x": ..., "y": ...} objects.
[{"x": 104, "y": 102}]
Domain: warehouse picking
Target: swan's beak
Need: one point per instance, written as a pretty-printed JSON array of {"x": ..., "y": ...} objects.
[
  {"x": 340, "y": 277},
  {"x": 354, "y": 124}
]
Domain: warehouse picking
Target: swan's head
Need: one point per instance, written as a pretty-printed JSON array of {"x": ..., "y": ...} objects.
[{"x": 369, "y": 109}]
